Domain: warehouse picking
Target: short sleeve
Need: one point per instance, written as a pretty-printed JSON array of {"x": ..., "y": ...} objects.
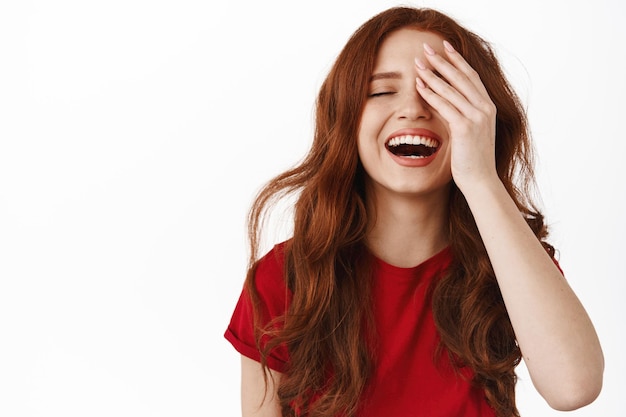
[{"x": 273, "y": 298}]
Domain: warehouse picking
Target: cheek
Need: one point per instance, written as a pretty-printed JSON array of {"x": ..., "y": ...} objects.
[
  {"x": 369, "y": 154},
  {"x": 362, "y": 148},
  {"x": 363, "y": 133},
  {"x": 371, "y": 123}
]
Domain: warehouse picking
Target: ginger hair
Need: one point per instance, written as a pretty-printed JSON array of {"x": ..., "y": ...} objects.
[{"x": 328, "y": 325}]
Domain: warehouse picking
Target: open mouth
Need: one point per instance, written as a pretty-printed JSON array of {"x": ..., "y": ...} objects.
[{"x": 408, "y": 146}]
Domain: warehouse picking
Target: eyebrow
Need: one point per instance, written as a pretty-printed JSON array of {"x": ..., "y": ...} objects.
[{"x": 386, "y": 75}]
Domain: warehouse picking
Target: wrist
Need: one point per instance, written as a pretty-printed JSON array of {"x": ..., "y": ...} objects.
[{"x": 479, "y": 190}]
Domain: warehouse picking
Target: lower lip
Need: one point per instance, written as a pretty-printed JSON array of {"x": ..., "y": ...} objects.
[{"x": 413, "y": 162}]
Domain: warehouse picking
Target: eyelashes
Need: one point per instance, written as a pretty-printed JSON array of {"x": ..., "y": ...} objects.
[{"x": 380, "y": 94}]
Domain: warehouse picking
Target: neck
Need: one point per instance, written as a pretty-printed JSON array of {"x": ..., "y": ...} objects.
[{"x": 405, "y": 230}]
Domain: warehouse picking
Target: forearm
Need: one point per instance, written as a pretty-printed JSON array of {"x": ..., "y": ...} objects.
[{"x": 557, "y": 339}]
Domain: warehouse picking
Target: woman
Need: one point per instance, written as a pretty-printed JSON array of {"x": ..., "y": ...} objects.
[{"x": 418, "y": 274}]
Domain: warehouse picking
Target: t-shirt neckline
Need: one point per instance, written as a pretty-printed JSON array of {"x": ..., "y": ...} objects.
[{"x": 436, "y": 261}]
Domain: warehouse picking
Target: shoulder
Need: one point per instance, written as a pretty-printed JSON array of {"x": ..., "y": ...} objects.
[
  {"x": 269, "y": 281},
  {"x": 269, "y": 269}
]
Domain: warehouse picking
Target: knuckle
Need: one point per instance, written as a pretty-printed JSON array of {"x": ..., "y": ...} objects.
[
  {"x": 491, "y": 109},
  {"x": 487, "y": 108}
]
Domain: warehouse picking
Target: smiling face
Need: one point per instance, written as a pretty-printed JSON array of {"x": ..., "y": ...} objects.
[{"x": 402, "y": 142}]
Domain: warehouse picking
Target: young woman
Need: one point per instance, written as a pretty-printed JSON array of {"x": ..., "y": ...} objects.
[{"x": 418, "y": 274}]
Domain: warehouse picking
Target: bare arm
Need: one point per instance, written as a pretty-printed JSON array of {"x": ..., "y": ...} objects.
[
  {"x": 557, "y": 339},
  {"x": 255, "y": 402}
]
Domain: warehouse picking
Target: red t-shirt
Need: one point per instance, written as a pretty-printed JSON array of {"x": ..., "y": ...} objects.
[{"x": 407, "y": 380}]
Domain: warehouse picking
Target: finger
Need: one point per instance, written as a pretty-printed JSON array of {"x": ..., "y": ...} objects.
[
  {"x": 449, "y": 111},
  {"x": 444, "y": 90},
  {"x": 450, "y": 104},
  {"x": 459, "y": 74},
  {"x": 459, "y": 62}
]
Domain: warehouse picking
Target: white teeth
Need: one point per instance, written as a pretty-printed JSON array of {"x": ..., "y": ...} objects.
[{"x": 413, "y": 140}]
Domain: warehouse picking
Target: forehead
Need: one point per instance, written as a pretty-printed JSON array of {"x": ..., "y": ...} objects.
[{"x": 406, "y": 44}]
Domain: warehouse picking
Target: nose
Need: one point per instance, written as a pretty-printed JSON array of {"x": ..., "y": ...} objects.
[{"x": 413, "y": 107}]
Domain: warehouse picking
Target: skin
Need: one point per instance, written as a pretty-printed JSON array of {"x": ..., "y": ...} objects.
[
  {"x": 255, "y": 402},
  {"x": 407, "y": 201},
  {"x": 557, "y": 339}
]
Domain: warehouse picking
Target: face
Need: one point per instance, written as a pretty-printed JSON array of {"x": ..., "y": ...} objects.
[{"x": 402, "y": 142}]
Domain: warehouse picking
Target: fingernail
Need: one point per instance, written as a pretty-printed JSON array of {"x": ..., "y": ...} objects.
[
  {"x": 448, "y": 46},
  {"x": 419, "y": 82},
  {"x": 428, "y": 49},
  {"x": 420, "y": 64}
]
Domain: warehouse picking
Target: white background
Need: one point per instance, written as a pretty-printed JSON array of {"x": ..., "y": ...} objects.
[{"x": 133, "y": 135}]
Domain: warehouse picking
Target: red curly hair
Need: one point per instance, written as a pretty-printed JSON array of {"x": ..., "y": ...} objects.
[{"x": 326, "y": 268}]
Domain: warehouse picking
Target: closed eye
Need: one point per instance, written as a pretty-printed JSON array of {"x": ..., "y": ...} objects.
[{"x": 382, "y": 93}]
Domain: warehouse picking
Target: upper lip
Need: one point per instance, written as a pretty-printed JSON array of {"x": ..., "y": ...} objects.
[{"x": 414, "y": 132}]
